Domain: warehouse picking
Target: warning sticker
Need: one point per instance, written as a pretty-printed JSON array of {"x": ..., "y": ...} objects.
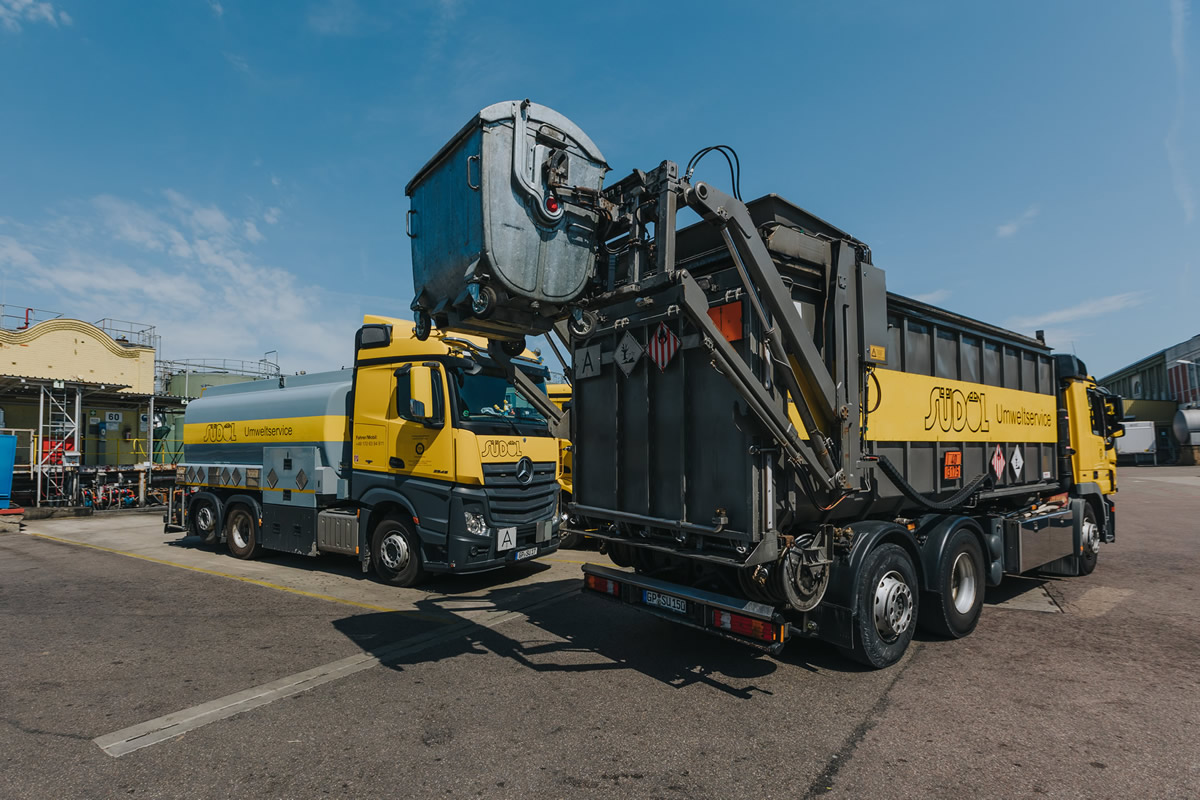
[
  {"x": 998, "y": 463},
  {"x": 1017, "y": 462},
  {"x": 662, "y": 346},
  {"x": 627, "y": 354}
]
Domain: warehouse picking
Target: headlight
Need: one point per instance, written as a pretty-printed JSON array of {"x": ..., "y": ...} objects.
[{"x": 476, "y": 526}]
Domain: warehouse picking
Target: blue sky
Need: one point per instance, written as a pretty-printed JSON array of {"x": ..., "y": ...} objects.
[{"x": 233, "y": 172}]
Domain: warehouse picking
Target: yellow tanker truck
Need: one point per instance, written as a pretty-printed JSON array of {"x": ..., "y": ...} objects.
[{"x": 422, "y": 458}]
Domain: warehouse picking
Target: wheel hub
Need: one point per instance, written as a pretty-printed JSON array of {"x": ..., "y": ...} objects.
[
  {"x": 893, "y": 606},
  {"x": 1090, "y": 537},
  {"x": 394, "y": 551},
  {"x": 237, "y": 532},
  {"x": 963, "y": 583},
  {"x": 205, "y": 519}
]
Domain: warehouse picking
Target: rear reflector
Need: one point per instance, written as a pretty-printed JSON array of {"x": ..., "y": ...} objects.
[
  {"x": 603, "y": 585},
  {"x": 746, "y": 626}
]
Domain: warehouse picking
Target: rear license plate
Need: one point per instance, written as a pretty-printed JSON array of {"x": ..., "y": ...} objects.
[
  {"x": 528, "y": 552},
  {"x": 670, "y": 603}
]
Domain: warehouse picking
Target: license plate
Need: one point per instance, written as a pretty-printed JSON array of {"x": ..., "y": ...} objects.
[
  {"x": 669, "y": 602},
  {"x": 528, "y": 552}
]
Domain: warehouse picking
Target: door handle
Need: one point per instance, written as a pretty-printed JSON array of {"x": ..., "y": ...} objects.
[{"x": 396, "y": 463}]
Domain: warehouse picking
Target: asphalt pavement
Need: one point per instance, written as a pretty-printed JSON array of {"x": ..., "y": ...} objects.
[{"x": 138, "y": 664}]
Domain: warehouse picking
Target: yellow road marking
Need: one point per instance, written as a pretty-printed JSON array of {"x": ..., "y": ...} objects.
[
  {"x": 569, "y": 561},
  {"x": 255, "y": 581}
]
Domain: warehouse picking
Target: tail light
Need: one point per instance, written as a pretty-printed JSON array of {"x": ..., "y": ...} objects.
[
  {"x": 603, "y": 585},
  {"x": 747, "y": 626}
]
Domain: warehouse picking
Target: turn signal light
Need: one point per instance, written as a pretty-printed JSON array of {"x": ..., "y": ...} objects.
[
  {"x": 603, "y": 585},
  {"x": 746, "y": 626},
  {"x": 552, "y": 204}
]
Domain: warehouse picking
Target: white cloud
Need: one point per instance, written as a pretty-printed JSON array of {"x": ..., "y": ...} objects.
[
  {"x": 1085, "y": 310},
  {"x": 217, "y": 9},
  {"x": 934, "y": 297},
  {"x": 275, "y": 180},
  {"x": 1012, "y": 226},
  {"x": 1175, "y": 155},
  {"x": 15, "y": 12},
  {"x": 272, "y": 215},
  {"x": 237, "y": 62},
  {"x": 186, "y": 268},
  {"x": 335, "y": 18}
]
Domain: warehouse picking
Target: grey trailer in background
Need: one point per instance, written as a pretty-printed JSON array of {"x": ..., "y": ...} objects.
[{"x": 495, "y": 250}]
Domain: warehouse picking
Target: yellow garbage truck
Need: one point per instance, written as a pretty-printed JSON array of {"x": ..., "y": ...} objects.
[{"x": 423, "y": 458}]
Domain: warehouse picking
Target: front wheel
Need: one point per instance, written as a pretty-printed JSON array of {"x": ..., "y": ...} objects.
[
  {"x": 1089, "y": 541},
  {"x": 241, "y": 533},
  {"x": 396, "y": 554},
  {"x": 956, "y": 603},
  {"x": 887, "y": 607}
]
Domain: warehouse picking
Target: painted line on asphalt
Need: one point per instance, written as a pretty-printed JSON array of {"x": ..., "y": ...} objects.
[
  {"x": 256, "y": 581},
  {"x": 157, "y": 730},
  {"x": 569, "y": 561}
]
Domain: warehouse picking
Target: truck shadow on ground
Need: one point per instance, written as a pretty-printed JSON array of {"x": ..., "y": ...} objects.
[
  {"x": 348, "y": 566},
  {"x": 589, "y": 634}
]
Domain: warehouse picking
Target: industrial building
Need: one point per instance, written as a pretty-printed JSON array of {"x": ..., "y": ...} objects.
[
  {"x": 1156, "y": 387},
  {"x": 96, "y": 414}
]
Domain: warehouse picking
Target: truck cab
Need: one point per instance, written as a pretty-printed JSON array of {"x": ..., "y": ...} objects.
[{"x": 447, "y": 458}]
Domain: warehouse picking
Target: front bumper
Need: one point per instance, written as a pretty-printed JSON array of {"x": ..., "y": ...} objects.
[{"x": 467, "y": 553}]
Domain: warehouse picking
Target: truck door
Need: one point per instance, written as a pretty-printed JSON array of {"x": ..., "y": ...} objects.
[{"x": 422, "y": 439}]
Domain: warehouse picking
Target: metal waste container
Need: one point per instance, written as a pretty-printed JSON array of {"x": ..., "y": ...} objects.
[{"x": 495, "y": 249}]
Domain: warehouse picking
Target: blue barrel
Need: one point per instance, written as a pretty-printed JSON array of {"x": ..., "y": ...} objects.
[{"x": 8, "y": 459}]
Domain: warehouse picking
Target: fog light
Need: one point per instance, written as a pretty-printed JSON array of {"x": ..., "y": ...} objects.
[{"x": 476, "y": 526}]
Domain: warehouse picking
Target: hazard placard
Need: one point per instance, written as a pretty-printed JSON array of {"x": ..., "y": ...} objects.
[
  {"x": 627, "y": 354},
  {"x": 998, "y": 462},
  {"x": 662, "y": 346},
  {"x": 1017, "y": 462},
  {"x": 587, "y": 361}
]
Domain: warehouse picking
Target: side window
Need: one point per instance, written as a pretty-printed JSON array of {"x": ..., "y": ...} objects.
[
  {"x": 1096, "y": 404},
  {"x": 404, "y": 394}
]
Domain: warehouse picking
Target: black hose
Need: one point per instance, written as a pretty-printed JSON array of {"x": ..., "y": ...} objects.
[{"x": 906, "y": 489}]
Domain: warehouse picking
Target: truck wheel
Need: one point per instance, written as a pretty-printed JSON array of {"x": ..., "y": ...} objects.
[
  {"x": 241, "y": 533},
  {"x": 1089, "y": 541},
  {"x": 202, "y": 522},
  {"x": 569, "y": 539},
  {"x": 887, "y": 606},
  {"x": 396, "y": 553},
  {"x": 953, "y": 609}
]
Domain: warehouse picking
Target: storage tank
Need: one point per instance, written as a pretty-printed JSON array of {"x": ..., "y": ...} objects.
[
  {"x": 232, "y": 424},
  {"x": 1187, "y": 426},
  {"x": 491, "y": 229}
]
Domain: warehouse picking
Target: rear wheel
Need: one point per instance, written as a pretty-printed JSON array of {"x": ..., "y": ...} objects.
[
  {"x": 954, "y": 607},
  {"x": 202, "y": 522},
  {"x": 241, "y": 533},
  {"x": 396, "y": 553},
  {"x": 1089, "y": 541},
  {"x": 887, "y": 607},
  {"x": 569, "y": 539}
]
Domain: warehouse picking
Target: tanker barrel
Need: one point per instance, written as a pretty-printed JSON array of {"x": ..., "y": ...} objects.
[
  {"x": 496, "y": 249},
  {"x": 1187, "y": 426}
]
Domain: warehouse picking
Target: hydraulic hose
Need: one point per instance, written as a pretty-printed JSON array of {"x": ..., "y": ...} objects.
[{"x": 949, "y": 504}]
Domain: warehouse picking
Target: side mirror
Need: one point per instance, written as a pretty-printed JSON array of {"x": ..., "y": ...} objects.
[
  {"x": 372, "y": 335},
  {"x": 420, "y": 392}
]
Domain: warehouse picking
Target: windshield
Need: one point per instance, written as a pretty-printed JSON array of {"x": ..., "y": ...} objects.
[{"x": 488, "y": 396}]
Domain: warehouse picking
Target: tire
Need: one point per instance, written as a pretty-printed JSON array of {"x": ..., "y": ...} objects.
[
  {"x": 202, "y": 522},
  {"x": 241, "y": 533},
  {"x": 422, "y": 325},
  {"x": 887, "y": 574},
  {"x": 569, "y": 539},
  {"x": 953, "y": 608},
  {"x": 396, "y": 553},
  {"x": 1089, "y": 553}
]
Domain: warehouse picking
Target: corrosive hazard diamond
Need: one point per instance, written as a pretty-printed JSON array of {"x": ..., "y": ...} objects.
[
  {"x": 998, "y": 462},
  {"x": 1017, "y": 462},
  {"x": 662, "y": 346}
]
